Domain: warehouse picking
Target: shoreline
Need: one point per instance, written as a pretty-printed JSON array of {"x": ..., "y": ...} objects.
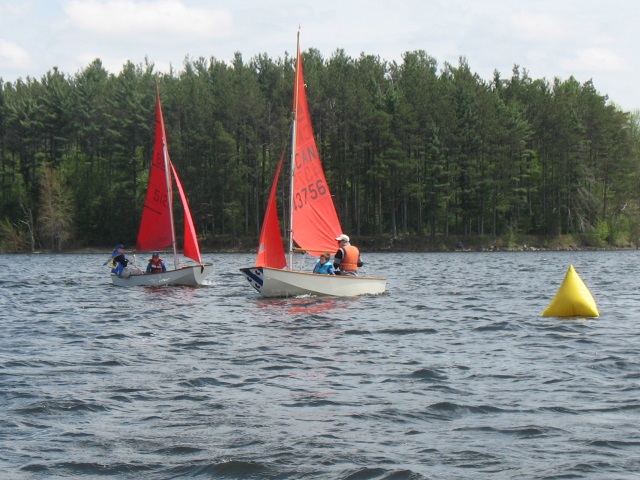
[{"x": 387, "y": 244}]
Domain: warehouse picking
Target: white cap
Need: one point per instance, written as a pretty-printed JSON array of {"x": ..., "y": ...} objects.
[{"x": 342, "y": 238}]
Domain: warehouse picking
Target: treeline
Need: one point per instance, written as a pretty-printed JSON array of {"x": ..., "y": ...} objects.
[{"x": 408, "y": 148}]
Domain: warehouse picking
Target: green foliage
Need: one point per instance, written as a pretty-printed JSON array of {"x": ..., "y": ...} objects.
[
  {"x": 600, "y": 234},
  {"x": 12, "y": 237},
  {"x": 56, "y": 212},
  {"x": 408, "y": 148}
]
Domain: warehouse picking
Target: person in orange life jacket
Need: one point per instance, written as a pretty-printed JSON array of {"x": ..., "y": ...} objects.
[
  {"x": 156, "y": 264},
  {"x": 323, "y": 265},
  {"x": 118, "y": 261},
  {"x": 347, "y": 259}
]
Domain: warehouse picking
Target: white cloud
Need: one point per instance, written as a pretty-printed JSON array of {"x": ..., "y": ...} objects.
[
  {"x": 598, "y": 59},
  {"x": 16, "y": 9},
  {"x": 13, "y": 55},
  {"x": 538, "y": 27},
  {"x": 161, "y": 18}
]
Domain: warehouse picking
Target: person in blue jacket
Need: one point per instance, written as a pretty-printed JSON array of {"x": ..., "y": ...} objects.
[
  {"x": 118, "y": 260},
  {"x": 323, "y": 265}
]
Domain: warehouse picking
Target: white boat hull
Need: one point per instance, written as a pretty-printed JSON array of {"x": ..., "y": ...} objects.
[
  {"x": 273, "y": 282},
  {"x": 191, "y": 276}
]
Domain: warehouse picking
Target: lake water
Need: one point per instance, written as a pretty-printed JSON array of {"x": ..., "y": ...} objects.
[{"x": 453, "y": 374}]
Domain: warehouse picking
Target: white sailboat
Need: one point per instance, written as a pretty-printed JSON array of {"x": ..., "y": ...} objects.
[{"x": 313, "y": 219}]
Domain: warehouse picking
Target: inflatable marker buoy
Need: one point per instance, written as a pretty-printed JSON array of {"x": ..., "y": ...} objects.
[{"x": 573, "y": 299}]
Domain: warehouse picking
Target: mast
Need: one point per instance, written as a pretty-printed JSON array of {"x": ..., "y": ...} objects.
[
  {"x": 293, "y": 148},
  {"x": 167, "y": 175},
  {"x": 165, "y": 154}
]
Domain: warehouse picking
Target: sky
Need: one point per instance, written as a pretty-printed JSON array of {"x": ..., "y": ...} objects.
[{"x": 588, "y": 39}]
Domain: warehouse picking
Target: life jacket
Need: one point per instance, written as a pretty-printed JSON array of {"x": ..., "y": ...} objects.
[
  {"x": 156, "y": 265},
  {"x": 322, "y": 267},
  {"x": 117, "y": 264},
  {"x": 349, "y": 262}
]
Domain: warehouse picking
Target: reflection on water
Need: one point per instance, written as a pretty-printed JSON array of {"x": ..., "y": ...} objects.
[{"x": 305, "y": 305}]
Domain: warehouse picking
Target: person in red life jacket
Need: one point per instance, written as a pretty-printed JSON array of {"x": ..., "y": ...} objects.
[
  {"x": 323, "y": 265},
  {"x": 347, "y": 259},
  {"x": 156, "y": 264}
]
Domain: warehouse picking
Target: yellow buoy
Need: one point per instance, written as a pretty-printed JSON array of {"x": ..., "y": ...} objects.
[{"x": 573, "y": 299}]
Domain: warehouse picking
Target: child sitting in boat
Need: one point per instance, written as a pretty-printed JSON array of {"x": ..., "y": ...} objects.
[
  {"x": 156, "y": 264},
  {"x": 323, "y": 265}
]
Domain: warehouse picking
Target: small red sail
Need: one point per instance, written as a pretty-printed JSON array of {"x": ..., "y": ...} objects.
[
  {"x": 271, "y": 250},
  {"x": 315, "y": 221},
  {"x": 191, "y": 247},
  {"x": 155, "y": 227}
]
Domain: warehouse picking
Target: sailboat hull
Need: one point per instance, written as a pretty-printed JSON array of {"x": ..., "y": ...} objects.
[
  {"x": 190, "y": 276},
  {"x": 273, "y": 282}
]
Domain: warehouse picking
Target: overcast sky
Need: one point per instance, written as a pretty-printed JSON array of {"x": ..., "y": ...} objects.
[{"x": 589, "y": 39}]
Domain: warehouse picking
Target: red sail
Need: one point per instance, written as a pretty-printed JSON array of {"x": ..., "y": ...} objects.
[
  {"x": 191, "y": 247},
  {"x": 315, "y": 221},
  {"x": 271, "y": 250},
  {"x": 155, "y": 227}
]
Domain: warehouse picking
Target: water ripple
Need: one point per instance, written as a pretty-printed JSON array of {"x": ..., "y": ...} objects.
[{"x": 451, "y": 375}]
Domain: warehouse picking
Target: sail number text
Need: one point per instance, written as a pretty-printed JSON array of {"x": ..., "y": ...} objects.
[
  {"x": 160, "y": 197},
  {"x": 310, "y": 192}
]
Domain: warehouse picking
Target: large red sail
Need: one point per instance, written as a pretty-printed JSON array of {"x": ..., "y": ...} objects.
[
  {"x": 155, "y": 227},
  {"x": 315, "y": 221},
  {"x": 191, "y": 247},
  {"x": 271, "y": 250}
]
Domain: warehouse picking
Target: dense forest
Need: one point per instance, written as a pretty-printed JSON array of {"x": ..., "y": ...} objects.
[{"x": 409, "y": 149}]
